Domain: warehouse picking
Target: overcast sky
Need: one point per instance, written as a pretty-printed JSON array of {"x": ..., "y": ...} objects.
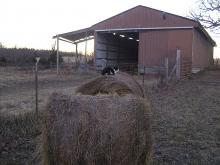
[{"x": 32, "y": 23}]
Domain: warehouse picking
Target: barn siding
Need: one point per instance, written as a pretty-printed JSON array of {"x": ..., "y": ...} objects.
[
  {"x": 180, "y": 39},
  {"x": 143, "y": 17},
  {"x": 154, "y": 46},
  {"x": 202, "y": 51}
]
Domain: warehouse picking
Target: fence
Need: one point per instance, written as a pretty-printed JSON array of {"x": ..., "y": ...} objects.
[
  {"x": 175, "y": 66},
  {"x": 21, "y": 88},
  {"x": 18, "y": 85},
  {"x": 131, "y": 68}
]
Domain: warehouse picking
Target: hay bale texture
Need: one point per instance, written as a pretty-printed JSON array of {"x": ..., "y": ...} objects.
[
  {"x": 96, "y": 130},
  {"x": 120, "y": 83}
]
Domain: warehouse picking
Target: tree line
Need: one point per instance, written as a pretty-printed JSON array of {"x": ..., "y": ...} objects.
[{"x": 22, "y": 57}]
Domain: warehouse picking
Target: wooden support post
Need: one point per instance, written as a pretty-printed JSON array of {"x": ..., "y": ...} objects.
[
  {"x": 77, "y": 56},
  {"x": 119, "y": 49},
  {"x": 143, "y": 75},
  {"x": 36, "y": 90},
  {"x": 107, "y": 52},
  {"x": 166, "y": 69},
  {"x": 36, "y": 84},
  {"x": 178, "y": 64},
  {"x": 138, "y": 68},
  {"x": 57, "y": 55},
  {"x": 144, "y": 80},
  {"x": 86, "y": 51}
]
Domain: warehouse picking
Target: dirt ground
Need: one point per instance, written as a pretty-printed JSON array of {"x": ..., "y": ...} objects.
[
  {"x": 185, "y": 117},
  {"x": 186, "y": 121}
]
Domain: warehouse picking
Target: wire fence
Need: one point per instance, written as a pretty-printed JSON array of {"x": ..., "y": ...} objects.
[
  {"x": 18, "y": 86},
  {"x": 21, "y": 91}
]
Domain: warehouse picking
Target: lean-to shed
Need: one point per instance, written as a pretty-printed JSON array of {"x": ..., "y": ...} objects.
[{"x": 145, "y": 37}]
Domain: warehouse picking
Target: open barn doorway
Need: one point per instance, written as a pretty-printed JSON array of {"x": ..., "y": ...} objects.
[{"x": 117, "y": 49}]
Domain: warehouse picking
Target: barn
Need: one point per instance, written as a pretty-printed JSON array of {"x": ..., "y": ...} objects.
[{"x": 150, "y": 40}]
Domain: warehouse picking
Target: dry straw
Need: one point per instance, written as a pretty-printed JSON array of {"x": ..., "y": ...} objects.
[
  {"x": 96, "y": 130},
  {"x": 121, "y": 83},
  {"x": 107, "y": 124}
]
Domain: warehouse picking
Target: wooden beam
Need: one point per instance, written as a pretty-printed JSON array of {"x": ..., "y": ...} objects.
[
  {"x": 57, "y": 55},
  {"x": 119, "y": 52},
  {"x": 171, "y": 73},
  {"x": 77, "y": 56},
  {"x": 107, "y": 55},
  {"x": 65, "y": 40},
  {"x": 77, "y": 41},
  {"x": 83, "y": 40},
  {"x": 86, "y": 50}
]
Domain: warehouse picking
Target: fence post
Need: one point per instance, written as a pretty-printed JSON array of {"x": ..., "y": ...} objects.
[
  {"x": 138, "y": 69},
  {"x": 36, "y": 84},
  {"x": 58, "y": 55},
  {"x": 143, "y": 76},
  {"x": 166, "y": 69},
  {"x": 178, "y": 64}
]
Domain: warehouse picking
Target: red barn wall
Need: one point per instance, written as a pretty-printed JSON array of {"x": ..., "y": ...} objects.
[
  {"x": 202, "y": 51},
  {"x": 154, "y": 46}
]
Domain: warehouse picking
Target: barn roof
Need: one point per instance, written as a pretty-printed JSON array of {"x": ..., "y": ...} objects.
[
  {"x": 77, "y": 36},
  {"x": 113, "y": 23},
  {"x": 145, "y": 7}
]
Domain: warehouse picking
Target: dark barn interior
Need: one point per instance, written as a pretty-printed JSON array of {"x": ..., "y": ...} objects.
[{"x": 117, "y": 49}]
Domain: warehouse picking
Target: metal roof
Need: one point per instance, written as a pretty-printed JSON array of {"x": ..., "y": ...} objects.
[
  {"x": 88, "y": 33},
  {"x": 78, "y": 35}
]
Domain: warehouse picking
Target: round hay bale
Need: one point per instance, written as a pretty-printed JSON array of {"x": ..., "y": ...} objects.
[
  {"x": 120, "y": 83},
  {"x": 96, "y": 130}
]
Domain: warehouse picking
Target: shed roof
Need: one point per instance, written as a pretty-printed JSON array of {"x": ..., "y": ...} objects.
[
  {"x": 116, "y": 23},
  {"x": 77, "y": 35},
  {"x": 139, "y": 7}
]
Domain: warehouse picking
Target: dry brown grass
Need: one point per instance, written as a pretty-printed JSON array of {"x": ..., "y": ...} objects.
[
  {"x": 121, "y": 83},
  {"x": 17, "y": 134},
  {"x": 96, "y": 130},
  {"x": 21, "y": 125}
]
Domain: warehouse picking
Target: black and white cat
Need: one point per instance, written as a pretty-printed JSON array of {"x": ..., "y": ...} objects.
[{"x": 110, "y": 71}]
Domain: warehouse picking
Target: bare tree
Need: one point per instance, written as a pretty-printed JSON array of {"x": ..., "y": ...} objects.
[
  {"x": 208, "y": 13},
  {"x": 1, "y": 45}
]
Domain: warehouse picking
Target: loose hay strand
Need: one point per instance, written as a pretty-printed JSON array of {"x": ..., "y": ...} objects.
[{"x": 120, "y": 84}]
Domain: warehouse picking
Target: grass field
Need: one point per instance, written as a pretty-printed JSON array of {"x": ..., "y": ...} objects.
[{"x": 185, "y": 117}]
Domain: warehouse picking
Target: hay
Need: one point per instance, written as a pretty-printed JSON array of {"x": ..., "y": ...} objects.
[
  {"x": 121, "y": 84},
  {"x": 96, "y": 130}
]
